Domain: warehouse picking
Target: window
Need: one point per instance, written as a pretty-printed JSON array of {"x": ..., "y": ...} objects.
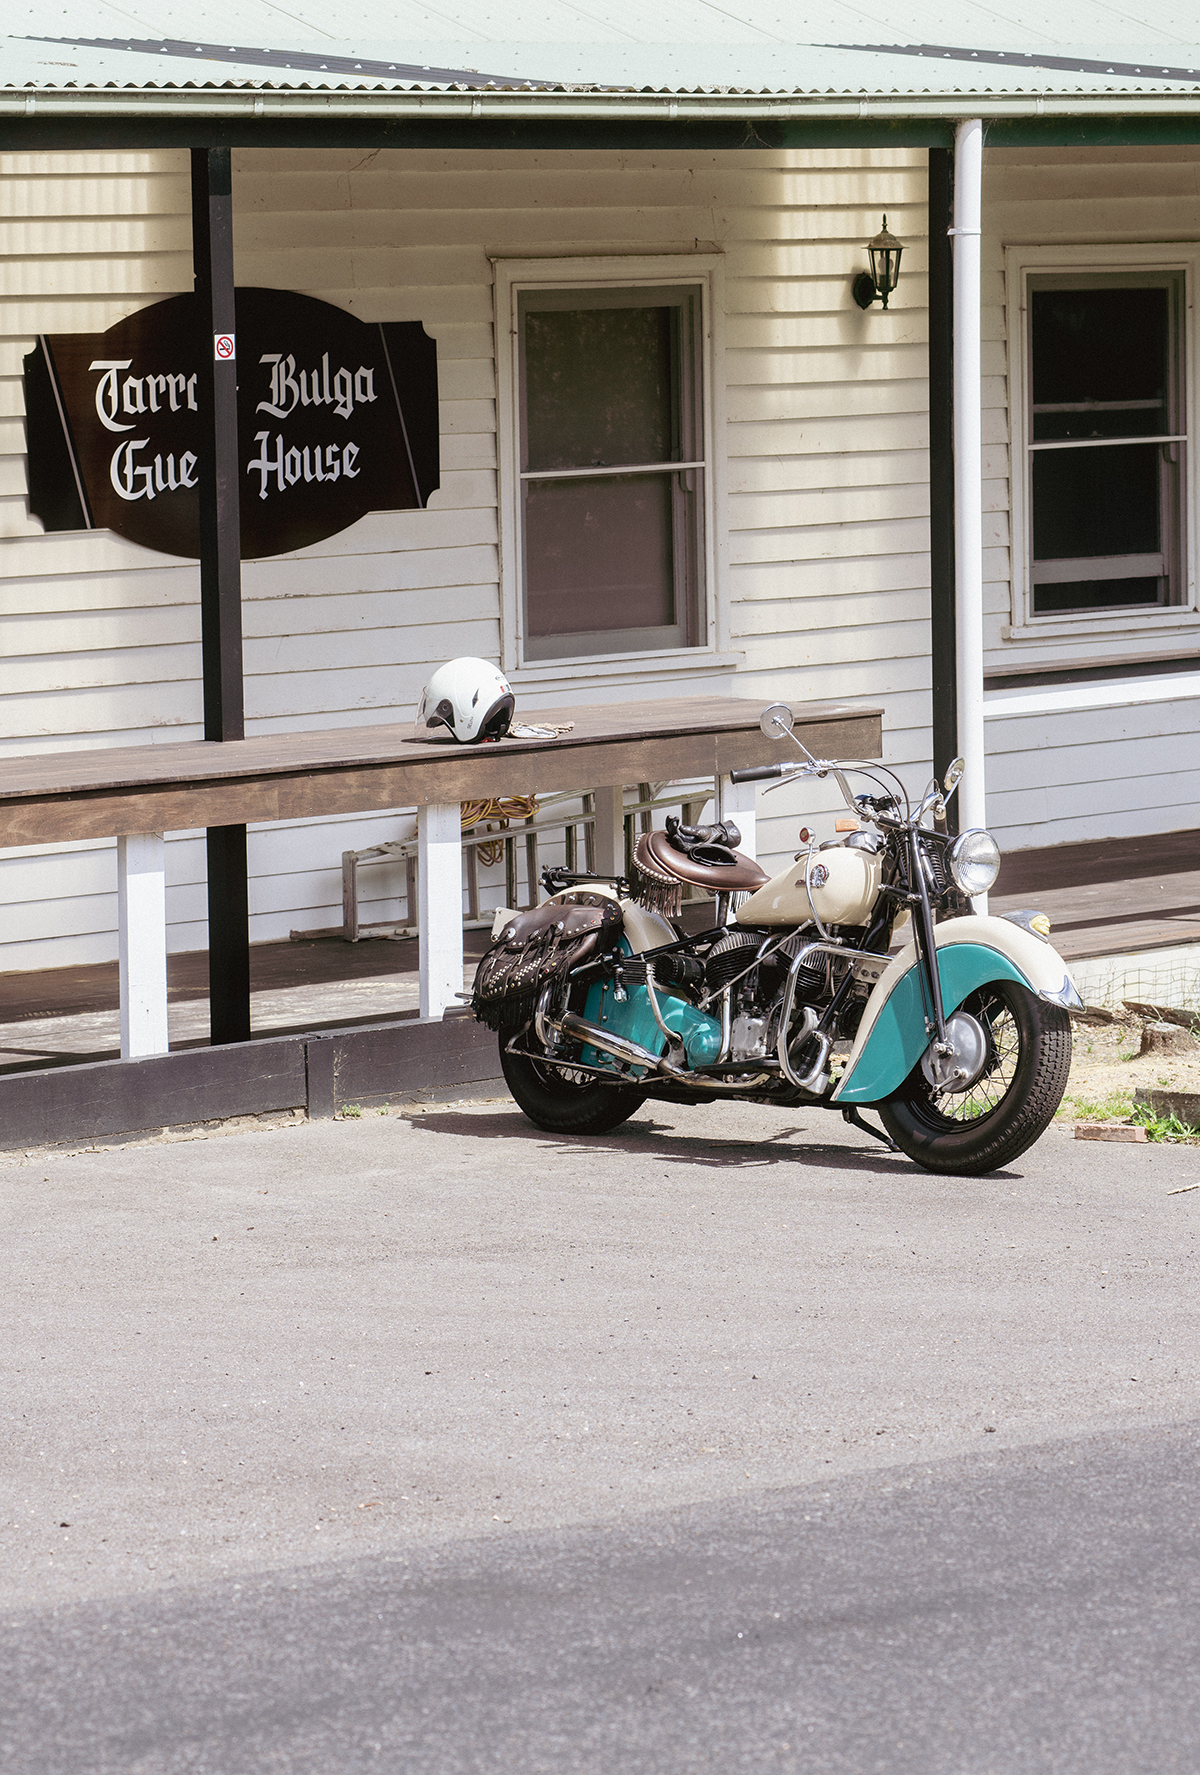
[
  {"x": 1105, "y": 442},
  {"x": 605, "y": 458}
]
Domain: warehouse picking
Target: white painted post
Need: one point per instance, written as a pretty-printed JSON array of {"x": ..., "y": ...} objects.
[
  {"x": 439, "y": 905},
  {"x": 610, "y": 831},
  {"x": 142, "y": 940},
  {"x": 738, "y": 802},
  {"x": 968, "y": 472}
]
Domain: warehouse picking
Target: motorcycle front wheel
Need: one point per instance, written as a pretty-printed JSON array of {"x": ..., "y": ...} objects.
[
  {"x": 564, "y": 1101},
  {"x": 1008, "y": 1107}
]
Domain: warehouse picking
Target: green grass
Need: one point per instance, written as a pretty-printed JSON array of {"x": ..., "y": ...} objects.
[
  {"x": 1118, "y": 1106},
  {"x": 1113, "y": 1108},
  {"x": 1163, "y": 1127}
]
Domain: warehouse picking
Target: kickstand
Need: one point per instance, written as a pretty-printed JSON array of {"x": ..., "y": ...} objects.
[{"x": 852, "y": 1116}]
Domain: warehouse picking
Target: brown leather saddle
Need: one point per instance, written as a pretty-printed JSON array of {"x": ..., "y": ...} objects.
[
  {"x": 662, "y": 866},
  {"x": 699, "y": 867}
]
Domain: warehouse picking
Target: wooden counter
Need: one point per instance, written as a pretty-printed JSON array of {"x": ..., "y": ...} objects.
[{"x": 54, "y": 797}]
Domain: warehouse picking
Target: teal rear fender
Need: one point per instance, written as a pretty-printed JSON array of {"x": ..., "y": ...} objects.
[{"x": 972, "y": 952}]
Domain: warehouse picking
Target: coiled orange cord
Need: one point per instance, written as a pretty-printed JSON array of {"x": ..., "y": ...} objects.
[{"x": 503, "y": 808}]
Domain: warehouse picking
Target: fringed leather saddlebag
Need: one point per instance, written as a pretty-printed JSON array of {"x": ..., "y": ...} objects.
[{"x": 537, "y": 949}]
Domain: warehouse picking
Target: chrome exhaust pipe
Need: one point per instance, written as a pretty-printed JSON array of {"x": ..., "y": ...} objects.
[{"x": 580, "y": 1030}]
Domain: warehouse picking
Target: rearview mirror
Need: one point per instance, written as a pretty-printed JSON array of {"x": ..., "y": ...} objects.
[
  {"x": 954, "y": 775},
  {"x": 776, "y": 721}
]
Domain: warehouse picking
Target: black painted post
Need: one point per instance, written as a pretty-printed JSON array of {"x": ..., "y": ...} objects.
[
  {"x": 941, "y": 463},
  {"x": 221, "y": 584}
]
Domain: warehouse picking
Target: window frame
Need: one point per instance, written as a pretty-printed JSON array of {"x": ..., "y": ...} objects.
[
  {"x": 515, "y": 277},
  {"x": 1030, "y": 264}
]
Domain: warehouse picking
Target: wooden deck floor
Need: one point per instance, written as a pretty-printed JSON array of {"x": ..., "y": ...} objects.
[
  {"x": 1102, "y": 899},
  {"x": 1109, "y": 898}
]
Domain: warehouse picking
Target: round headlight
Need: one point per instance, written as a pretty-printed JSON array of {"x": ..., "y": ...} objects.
[{"x": 974, "y": 861}]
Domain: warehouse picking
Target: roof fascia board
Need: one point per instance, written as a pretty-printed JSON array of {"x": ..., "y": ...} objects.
[
  {"x": 81, "y": 131},
  {"x": 248, "y": 118},
  {"x": 1094, "y": 132}
]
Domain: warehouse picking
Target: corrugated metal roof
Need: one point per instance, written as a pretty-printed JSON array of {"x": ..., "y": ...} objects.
[{"x": 935, "y": 48}]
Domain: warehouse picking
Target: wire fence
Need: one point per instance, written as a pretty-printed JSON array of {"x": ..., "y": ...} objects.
[{"x": 1168, "y": 978}]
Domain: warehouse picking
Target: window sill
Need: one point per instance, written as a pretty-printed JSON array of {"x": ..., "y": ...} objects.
[
  {"x": 674, "y": 663},
  {"x": 1074, "y": 699},
  {"x": 1145, "y": 624}
]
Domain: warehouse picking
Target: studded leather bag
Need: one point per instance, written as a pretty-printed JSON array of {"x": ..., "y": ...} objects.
[{"x": 536, "y": 949}]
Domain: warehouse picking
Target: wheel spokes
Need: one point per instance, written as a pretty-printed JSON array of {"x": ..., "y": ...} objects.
[{"x": 993, "y": 1084}]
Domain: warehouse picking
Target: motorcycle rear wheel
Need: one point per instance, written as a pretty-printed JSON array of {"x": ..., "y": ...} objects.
[
  {"x": 1010, "y": 1105},
  {"x": 565, "y": 1102}
]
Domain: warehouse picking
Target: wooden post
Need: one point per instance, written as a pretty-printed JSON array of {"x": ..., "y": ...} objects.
[
  {"x": 221, "y": 580},
  {"x": 737, "y": 802},
  {"x": 228, "y": 935},
  {"x": 350, "y": 896},
  {"x": 943, "y": 621},
  {"x": 971, "y": 800},
  {"x": 439, "y": 898},
  {"x": 609, "y": 831},
  {"x": 142, "y": 937}
]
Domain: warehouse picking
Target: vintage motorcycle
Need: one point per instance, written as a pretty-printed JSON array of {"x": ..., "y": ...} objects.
[{"x": 960, "y": 1041}]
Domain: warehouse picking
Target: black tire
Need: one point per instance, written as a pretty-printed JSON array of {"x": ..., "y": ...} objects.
[
  {"x": 565, "y": 1102},
  {"x": 1008, "y": 1107}
]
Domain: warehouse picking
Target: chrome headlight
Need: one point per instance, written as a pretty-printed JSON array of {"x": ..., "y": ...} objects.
[{"x": 974, "y": 861}]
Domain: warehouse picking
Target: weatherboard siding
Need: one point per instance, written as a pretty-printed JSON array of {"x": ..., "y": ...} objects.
[
  {"x": 1099, "y": 772},
  {"x": 825, "y": 520}
]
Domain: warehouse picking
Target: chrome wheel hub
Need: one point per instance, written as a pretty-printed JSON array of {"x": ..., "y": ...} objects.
[{"x": 957, "y": 1070}]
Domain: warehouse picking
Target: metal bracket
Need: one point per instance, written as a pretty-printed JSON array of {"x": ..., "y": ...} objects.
[{"x": 852, "y": 1116}]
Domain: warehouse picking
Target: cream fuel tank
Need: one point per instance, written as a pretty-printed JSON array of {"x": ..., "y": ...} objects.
[{"x": 842, "y": 887}]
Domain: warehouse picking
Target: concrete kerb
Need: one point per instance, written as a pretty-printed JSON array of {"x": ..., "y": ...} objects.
[{"x": 186, "y": 1094}]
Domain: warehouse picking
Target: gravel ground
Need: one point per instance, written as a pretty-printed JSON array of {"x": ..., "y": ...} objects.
[{"x": 1106, "y": 1070}]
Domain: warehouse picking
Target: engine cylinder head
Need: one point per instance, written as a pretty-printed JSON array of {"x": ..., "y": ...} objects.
[
  {"x": 812, "y": 979},
  {"x": 729, "y": 956}
]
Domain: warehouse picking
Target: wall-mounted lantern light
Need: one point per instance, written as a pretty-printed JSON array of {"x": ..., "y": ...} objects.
[{"x": 884, "y": 275}]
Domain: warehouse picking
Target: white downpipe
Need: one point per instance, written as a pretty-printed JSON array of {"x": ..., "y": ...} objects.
[{"x": 968, "y": 471}]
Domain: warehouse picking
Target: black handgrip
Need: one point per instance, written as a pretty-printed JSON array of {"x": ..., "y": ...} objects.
[{"x": 757, "y": 773}]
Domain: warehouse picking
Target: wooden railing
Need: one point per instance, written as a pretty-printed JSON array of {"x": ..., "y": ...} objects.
[{"x": 138, "y": 793}]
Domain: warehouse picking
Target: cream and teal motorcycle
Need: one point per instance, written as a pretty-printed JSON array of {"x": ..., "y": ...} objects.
[{"x": 958, "y": 1039}]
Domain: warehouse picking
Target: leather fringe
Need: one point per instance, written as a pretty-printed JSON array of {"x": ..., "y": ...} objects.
[
  {"x": 651, "y": 886},
  {"x": 657, "y": 893}
]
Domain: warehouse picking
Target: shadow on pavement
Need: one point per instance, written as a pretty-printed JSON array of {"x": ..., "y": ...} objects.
[
  {"x": 663, "y": 1141},
  {"x": 1024, "y": 1610}
]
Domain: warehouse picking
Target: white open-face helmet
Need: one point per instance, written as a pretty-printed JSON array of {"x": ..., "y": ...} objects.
[{"x": 469, "y": 696}]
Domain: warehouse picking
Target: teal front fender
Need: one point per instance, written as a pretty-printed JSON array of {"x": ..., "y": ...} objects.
[{"x": 898, "y": 1036}]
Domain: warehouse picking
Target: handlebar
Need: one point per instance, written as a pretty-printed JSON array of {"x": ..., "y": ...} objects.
[{"x": 759, "y": 773}]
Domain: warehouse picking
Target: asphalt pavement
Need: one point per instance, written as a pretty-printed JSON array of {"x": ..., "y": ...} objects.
[{"x": 726, "y": 1441}]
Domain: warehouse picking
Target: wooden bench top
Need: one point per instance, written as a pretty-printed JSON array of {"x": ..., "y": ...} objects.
[{"x": 56, "y": 796}]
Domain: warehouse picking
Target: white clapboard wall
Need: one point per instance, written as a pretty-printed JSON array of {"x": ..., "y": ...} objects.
[
  {"x": 826, "y": 515},
  {"x": 826, "y": 435},
  {"x": 1076, "y": 762}
]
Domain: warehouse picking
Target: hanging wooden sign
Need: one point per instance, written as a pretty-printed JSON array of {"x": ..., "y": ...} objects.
[{"x": 336, "y": 417}]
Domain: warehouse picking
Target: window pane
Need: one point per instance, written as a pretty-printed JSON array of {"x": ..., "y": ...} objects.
[
  {"x": 599, "y": 387},
  {"x": 1097, "y": 594},
  {"x": 1096, "y": 502},
  {"x": 600, "y": 554},
  {"x": 1105, "y": 353}
]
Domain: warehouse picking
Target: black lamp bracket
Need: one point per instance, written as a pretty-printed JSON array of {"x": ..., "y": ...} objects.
[{"x": 863, "y": 290}]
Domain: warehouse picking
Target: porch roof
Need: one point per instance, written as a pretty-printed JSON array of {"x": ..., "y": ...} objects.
[{"x": 550, "y": 58}]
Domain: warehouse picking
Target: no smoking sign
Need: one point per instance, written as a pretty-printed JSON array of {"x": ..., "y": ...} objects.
[{"x": 223, "y": 347}]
